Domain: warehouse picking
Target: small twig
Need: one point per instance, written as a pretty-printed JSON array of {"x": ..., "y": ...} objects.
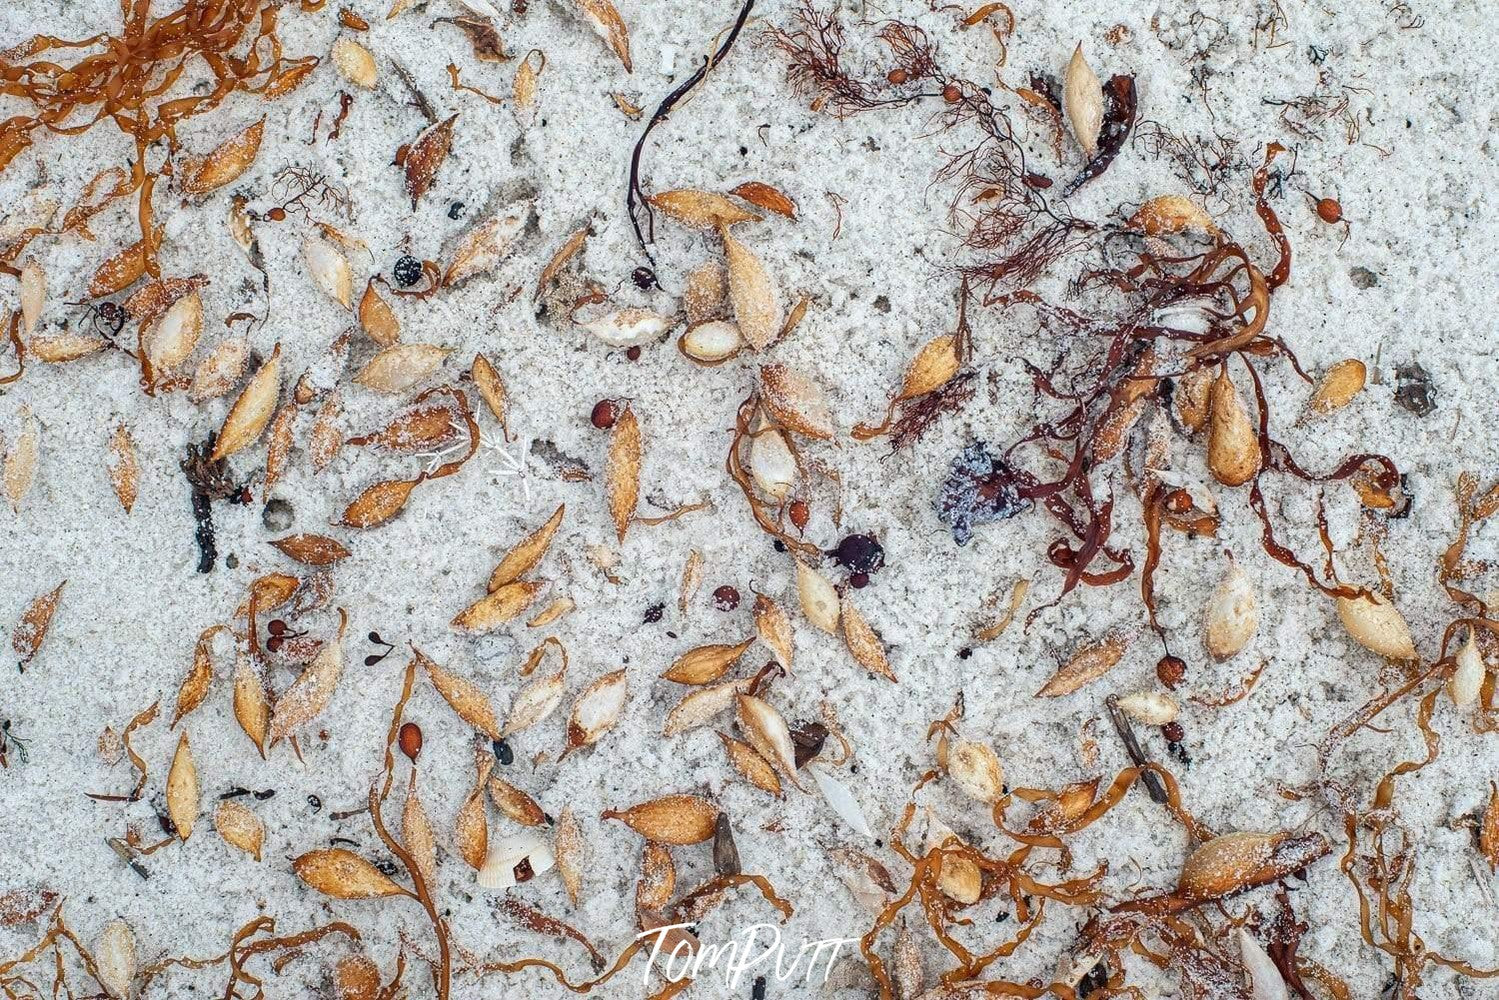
[
  {"x": 126, "y": 855},
  {"x": 1136, "y": 755},
  {"x": 416, "y": 92}
]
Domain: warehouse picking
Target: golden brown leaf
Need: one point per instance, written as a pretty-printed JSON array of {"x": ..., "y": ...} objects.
[
  {"x": 705, "y": 664},
  {"x": 863, "y": 642},
  {"x": 754, "y": 293},
  {"x": 343, "y": 875},
  {"x": 499, "y": 606},
  {"x": 252, "y": 710},
  {"x": 312, "y": 550},
  {"x": 751, "y": 766},
  {"x": 182, "y": 789},
  {"x": 239, "y": 827},
  {"x": 471, "y": 704},
  {"x": 417, "y": 837},
  {"x": 766, "y": 197},
  {"x": 31, "y": 630},
  {"x": 622, "y": 471},
  {"x": 514, "y": 803},
  {"x": 570, "y": 850},
  {"x": 609, "y": 26},
  {"x": 230, "y": 159},
  {"x": 124, "y": 470},
  {"x": 678, "y": 820},
  {"x": 526, "y": 553},
  {"x": 491, "y": 389},
  {"x": 565, "y": 253},
  {"x": 425, "y": 156},
  {"x": 378, "y": 503},
  {"x": 700, "y": 209},
  {"x": 252, "y": 410},
  {"x": 195, "y": 685},
  {"x": 377, "y": 318},
  {"x": 310, "y": 693}
]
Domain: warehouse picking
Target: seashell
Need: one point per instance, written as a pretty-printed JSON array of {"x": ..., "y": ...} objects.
[
  {"x": 867, "y": 879},
  {"x": 630, "y": 327},
  {"x": 1265, "y": 980},
  {"x": 1172, "y": 213}
]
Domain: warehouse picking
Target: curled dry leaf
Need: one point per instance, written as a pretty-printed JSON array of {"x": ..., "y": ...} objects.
[
  {"x": 1377, "y": 625},
  {"x": 123, "y": 469},
  {"x": 863, "y": 642},
  {"x": 774, "y": 629},
  {"x": 251, "y": 412},
  {"x": 705, "y": 664},
  {"x": 549, "y": 614},
  {"x": 310, "y": 693},
  {"x": 1338, "y": 386},
  {"x": 1237, "y": 861},
  {"x": 312, "y": 550},
  {"x": 1088, "y": 662},
  {"x": 571, "y": 852},
  {"x": 767, "y": 731},
  {"x": 1233, "y": 445},
  {"x": 526, "y": 553},
  {"x": 482, "y": 248},
  {"x": 471, "y": 704},
  {"x": 818, "y": 598},
  {"x": 796, "y": 401},
  {"x": 535, "y": 703},
  {"x": 700, "y": 209},
  {"x": 702, "y": 706},
  {"x": 425, "y": 156},
  {"x": 400, "y": 366},
  {"x": 766, "y": 197},
  {"x": 751, "y": 766},
  {"x": 195, "y": 685},
  {"x": 114, "y": 958},
  {"x": 378, "y": 503},
  {"x": 31, "y": 631},
  {"x": 355, "y": 62},
  {"x": 622, "y": 470},
  {"x": 754, "y": 294},
  {"x": 240, "y": 828},
  {"x": 376, "y": 318},
  {"x": 1232, "y": 613},
  {"x": 1082, "y": 99},
  {"x": 491, "y": 388},
  {"x": 252, "y": 710},
  {"x": 221, "y": 370},
  {"x": 501, "y": 605},
  {"x": 20, "y": 463},
  {"x": 417, "y": 837},
  {"x": 343, "y": 875},
  {"x": 230, "y": 159},
  {"x": 609, "y": 26},
  {"x": 596, "y": 711},
  {"x": 182, "y": 789},
  {"x": 677, "y": 820}
]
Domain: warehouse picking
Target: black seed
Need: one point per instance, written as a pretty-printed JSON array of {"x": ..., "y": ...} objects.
[
  {"x": 503, "y": 753},
  {"x": 643, "y": 277},
  {"x": 653, "y": 613},
  {"x": 263, "y": 795},
  {"x": 965, "y": 653},
  {"x": 1413, "y": 389},
  {"x": 780, "y": 545},
  {"x": 455, "y": 209},
  {"x": 759, "y": 991},
  {"x": 315, "y": 803},
  {"x": 408, "y": 271}
]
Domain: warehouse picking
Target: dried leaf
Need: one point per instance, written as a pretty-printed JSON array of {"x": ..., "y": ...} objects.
[
  {"x": 705, "y": 664},
  {"x": 622, "y": 470},
  {"x": 326, "y": 438},
  {"x": 62, "y": 346},
  {"x": 195, "y": 685},
  {"x": 677, "y": 820},
  {"x": 119, "y": 271},
  {"x": 751, "y": 766},
  {"x": 553, "y": 611},
  {"x": 712, "y": 342},
  {"x": 796, "y": 401},
  {"x": 1488, "y": 829},
  {"x": 526, "y": 553},
  {"x": 700, "y": 209},
  {"x": 252, "y": 410},
  {"x": 123, "y": 469},
  {"x": 866, "y": 878},
  {"x": 251, "y": 708},
  {"x": 1232, "y": 616},
  {"x": 376, "y": 318},
  {"x": 417, "y": 837},
  {"x": 570, "y": 850},
  {"x": 1233, "y": 443},
  {"x": 173, "y": 337},
  {"x": 863, "y": 642},
  {"x": 609, "y": 26},
  {"x": 343, "y": 875},
  {"x": 755, "y": 295},
  {"x": 1338, "y": 386},
  {"x": 596, "y": 711},
  {"x": 239, "y": 827},
  {"x": 818, "y": 598},
  {"x": 481, "y": 35},
  {"x": 1377, "y": 625},
  {"x": 310, "y": 693},
  {"x": 230, "y": 159},
  {"x": 425, "y": 156},
  {"x": 471, "y": 828},
  {"x": 1088, "y": 662},
  {"x": 499, "y": 606},
  {"x": 491, "y": 389},
  {"x": 774, "y": 629},
  {"x": 182, "y": 789},
  {"x": 703, "y": 293},
  {"x": 21, "y": 461},
  {"x": 401, "y": 366},
  {"x": 768, "y": 733},
  {"x": 471, "y": 704},
  {"x": 31, "y": 631},
  {"x": 482, "y": 248},
  {"x": 766, "y": 197},
  {"x": 565, "y": 253},
  {"x": 378, "y": 503},
  {"x": 312, "y": 550},
  {"x": 527, "y": 75},
  {"x": 279, "y": 441}
]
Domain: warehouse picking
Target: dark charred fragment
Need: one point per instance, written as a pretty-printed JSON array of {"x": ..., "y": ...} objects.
[
  {"x": 1118, "y": 119},
  {"x": 1414, "y": 389},
  {"x": 1094, "y": 982},
  {"x": 979, "y": 489},
  {"x": 210, "y": 481},
  {"x": 807, "y": 741},
  {"x": 725, "y": 851}
]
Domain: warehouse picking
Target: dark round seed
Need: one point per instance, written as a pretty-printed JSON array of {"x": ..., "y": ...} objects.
[
  {"x": 455, "y": 209},
  {"x": 644, "y": 278},
  {"x": 274, "y": 643},
  {"x": 1173, "y": 732},
  {"x": 1328, "y": 210},
  {"x": 315, "y": 803},
  {"x": 653, "y": 613},
  {"x": 408, "y": 271},
  {"x": 858, "y": 580},
  {"x": 503, "y": 753},
  {"x": 633, "y": 353},
  {"x": 276, "y": 626},
  {"x": 726, "y": 598},
  {"x": 604, "y": 414},
  {"x": 859, "y": 554},
  {"x": 779, "y": 545},
  {"x": 965, "y": 653},
  {"x": 1171, "y": 670},
  {"x": 410, "y": 740}
]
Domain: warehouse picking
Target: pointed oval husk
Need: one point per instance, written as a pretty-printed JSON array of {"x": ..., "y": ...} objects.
[
  {"x": 182, "y": 789},
  {"x": 219, "y": 372},
  {"x": 796, "y": 401},
  {"x": 491, "y": 388},
  {"x": 701, "y": 209},
  {"x": 1468, "y": 673},
  {"x": 119, "y": 271},
  {"x": 33, "y": 295},
  {"x": 195, "y": 685},
  {"x": 355, "y": 63},
  {"x": 311, "y": 692},
  {"x": 700, "y": 707},
  {"x": 240, "y": 828},
  {"x": 535, "y": 703},
  {"x": 1153, "y": 708},
  {"x": 401, "y": 366},
  {"x": 526, "y": 553},
  {"x": 1082, "y": 99},
  {"x": 754, "y": 294},
  {"x": 767, "y": 731},
  {"x": 677, "y": 820},
  {"x": 1488, "y": 829},
  {"x": 958, "y": 877},
  {"x": 703, "y": 294},
  {"x": 1265, "y": 980},
  {"x": 251, "y": 708},
  {"x": 976, "y": 768},
  {"x": 711, "y": 343},
  {"x": 329, "y": 269},
  {"x": 356, "y": 977},
  {"x": 1377, "y": 625},
  {"x": 483, "y": 248},
  {"x": 840, "y": 799},
  {"x": 312, "y": 550},
  {"x": 20, "y": 462},
  {"x": 705, "y": 664},
  {"x": 472, "y": 705},
  {"x": 376, "y": 318},
  {"x": 1233, "y": 445},
  {"x": 1087, "y": 663},
  {"x": 1338, "y": 386},
  {"x": 863, "y": 642},
  {"x": 932, "y": 368},
  {"x": 608, "y": 25},
  {"x": 658, "y": 878},
  {"x": 527, "y": 77},
  {"x": 818, "y": 599},
  {"x": 378, "y": 503},
  {"x": 774, "y": 629},
  {"x": 63, "y": 346},
  {"x": 752, "y": 767},
  {"x": 31, "y": 631},
  {"x": 866, "y": 878},
  {"x": 622, "y": 471},
  {"x": 228, "y": 160},
  {"x": 115, "y": 959},
  {"x": 1167, "y": 214},
  {"x": 504, "y": 604},
  {"x": 251, "y": 412},
  {"x": 173, "y": 337},
  {"x": 278, "y": 444},
  {"x": 1236, "y": 861},
  {"x": 773, "y": 464},
  {"x": 570, "y": 851},
  {"x": 123, "y": 469},
  {"x": 1232, "y": 615},
  {"x": 764, "y": 196},
  {"x": 1192, "y": 399},
  {"x": 471, "y": 827},
  {"x": 343, "y": 875},
  {"x": 425, "y": 156},
  {"x": 596, "y": 711},
  {"x": 517, "y": 805}
]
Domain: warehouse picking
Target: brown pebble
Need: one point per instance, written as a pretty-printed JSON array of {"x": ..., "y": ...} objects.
[{"x": 725, "y": 598}]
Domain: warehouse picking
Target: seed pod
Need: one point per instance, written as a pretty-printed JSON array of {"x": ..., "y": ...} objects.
[
  {"x": 418, "y": 838},
  {"x": 1154, "y": 708},
  {"x": 173, "y": 337},
  {"x": 658, "y": 878},
  {"x": 1375, "y": 624},
  {"x": 1172, "y": 213},
  {"x": 311, "y": 692},
  {"x": 514, "y": 803},
  {"x": 527, "y": 76},
  {"x": 483, "y": 248},
  {"x": 491, "y": 388},
  {"x": 701, "y": 209},
  {"x": 976, "y": 769},
  {"x": 1192, "y": 399},
  {"x": 343, "y": 875},
  {"x": 534, "y": 704},
  {"x": 227, "y": 161},
  {"x": 20, "y": 462},
  {"x": 677, "y": 820},
  {"x": 182, "y": 789},
  {"x": 796, "y": 401},
  {"x": 1082, "y": 99},
  {"x": 502, "y": 605},
  {"x": 553, "y": 611},
  {"x": 712, "y": 342},
  {"x": 33, "y": 295},
  {"x": 692, "y": 578},
  {"x": 251, "y": 709},
  {"x": 396, "y": 369},
  {"x": 702, "y": 706},
  {"x": 1468, "y": 674},
  {"x": 1088, "y": 662},
  {"x": 471, "y": 826},
  {"x": 378, "y": 503},
  {"x": 754, "y": 294},
  {"x": 119, "y": 271},
  {"x": 705, "y": 664},
  {"x": 772, "y": 464},
  {"x": 114, "y": 958},
  {"x": 377, "y": 318},
  {"x": 312, "y": 550},
  {"x": 867, "y": 879},
  {"x": 1232, "y": 615},
  {"x": 252, "y": 410},
  {"x": 958, "y": 878},
  {"x": 195, "y": 685},
  {"x": 329, "y": 269},
  {"x": 355, "y": 977},
  {"x": 910, "y": 977},
  {"x": 767, "y": 732},
  {"x": 1233, "y": 447},
  {"x": 932, "y": 368},
  {"x": 1238, "y": 861},
  {"x": 570, "y": 850},
  {"x": 354, "y": 62},
  {"x": 766, "y": 197},
  {"x": 863, "y": 642},
  {"x": 818, "y": 598},
  {"x": 774, "y": 629},
  {"x": 218, "y": 372},
  {"x": 751, "y": 766},
  {"x": 471, "y": 704},
  {"x": 703, "y": 294},
  {"x": 609, "y": 26},
  {"x": 63, "y": 346},
  {"x": 526, "y": 553},
  {"x": 596, "y": 711},
  {"x": 124, "y": 471},
  {"x": 622, "y": 471},
  {"x": 240, "y": 828},
  {"x": 425, "y": 155},
  {"x": 1488, "y": 829},
  {"x": 1338, "y": 386}
]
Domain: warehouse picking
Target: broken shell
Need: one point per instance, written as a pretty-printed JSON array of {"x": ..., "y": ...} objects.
[
  {"x": 1237, "y": 861},
  {"x": 397, "y": 368},
  {"x": 329, "y": 269},
  {"x": 768, "y": 733},
  {"x": 1082, "y": 99},
  {"x": 701, "y": 209},
  {"x": 182, "y": 789},
  {"x": 1338, "y": 386},
  {"x": 355, "y": 62},
  {"x": 1153, "y": 708},
  {"x": 772, "y": 463},
  {"x": 252, "y": 410},
  {"x": 705, "y": 664},
  {"x": 630, "y": 327},
  {"x": 114, "y": 957},
  {"x": 677, "y": 820},
  {"x": 218, "y": 372},
  {"x": 1233, "y": 447},
  {"x": 1265, "y": 980},
  {"x": 596, "y": 711},
  {"x": 976, "y": 768},
  {"x": 756, "y": 299},
  {"x": 1468, "y": 674},
  {"x": 796, "y": 401},
  {"x": 515, "y": 859},
  {"x": 712, "y": 342},
  {"x": 1232, "y": 614},
  {"x": 239, "y": 827},
  {"x": 818, "y": 598},
  {"x": 1375, "y": 624}
]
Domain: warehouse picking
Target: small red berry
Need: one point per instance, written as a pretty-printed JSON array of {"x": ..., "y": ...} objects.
[
  {"x": 276, "y": 214},
  {"x": 276, "y": 626},
  {"x": 858, "y": 580},
  {"x": 410, "y": 740},
  {"x": 1171, "y": 670},
  {"x": 1173, "y": 732},
  {"x": 1329, "y": 211},
  {"x": 951, "y": 94},
  {"x": 604, "y": 414},
  {"x": 274, "y": 643},
  {"x": 897, "y": 76},
  {"x": 633, "y": 353},
  {"x": 801, "y": 513},
  {"x": 726, "y": 598}
]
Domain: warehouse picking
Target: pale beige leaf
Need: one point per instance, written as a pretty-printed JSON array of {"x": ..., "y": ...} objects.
[
  {"x": 796, "y": 401},
  {"x": 182, "y": 789},
  {"x": 534, "y": 703},
  {"x": 311, "y": 692},
  {"x": 754, "y": 294},
  {"x": 1082, "y": 99},
  {"x": 376, "y": 318},
  {"x": 701, "y": 209},
  {"x": 123, "y": 469},
  {"x": 622, "y": 471},
  {"x": 526, "y": 553},
  {"x": 326, "y": 437},
  {"x": 21, "y": 461},
  {"x": 766, "y": 730},
  {"x": 173, "y": 337},
  {"x": 401, "y": 366},
  {"x": 692, "y": 579},
  {"x": 471, "y": 704},
  {"x": 219, "y": 372},
  {"x": 252, "y": 410},
  {"x": 863, "y": 642},
  {"x": 33, "y": 294},
  {"x": 355, "y": 62},
  {"x": 491, "y": 388},
  {"x": 239, "y": 827},
  {"x": 705, "y": 664},
  {"x": 252, "y": 710},
  {"x": 482, "y": 248},
  {"x": 774, "y": 629},
  {"x": 701, "y": 706},
  {"x": 571, "y": 853}
]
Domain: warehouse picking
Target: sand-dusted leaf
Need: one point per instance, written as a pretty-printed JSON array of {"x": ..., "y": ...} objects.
[
  {"x": 354, "y": 62},
  {"x": 183, "y": 801},
  {"x": 766, "y": 197},
  {"x": 269, "y": 592},
  {"x": 701, "y": 706},
  {"x": 195, "y": 685},
  {"x": 62, "y": 346},
  {"x": 1087, "y": 663},
  {"x": 240, "y": 827},
  {"x": 401, "y": 366},
  {"x": 774, "y": 629},
  {"x": 278, "y": 444},
  {"x": 1082, "y": 99},
  {"x": 596, "y": 711},
  {"x": 658, "y": 878},
  {"x": 471, "y": 827},
  {"x": 796, "y": 401},
  {"x": 571, "y": 852},
  {"x": 705, "y": 664},
  {"x": 754, "y": 293},
  {"x": 425, "y": 156},
  {"x": 692, "y": 579},
  {"x": 115, "y": 958},
  {"x": 376, "y": 318},
  {"x": 124, "y": 471},
  {"x": 622, "y": 470},
  {"x": 221, "y": 370},
  {"x": 609, "y": 26},
  {"x": 312, "y": 550},
  {"x": 471, "y": 704},
  {"x": 1236, "y": 861},
  {"x": 252, "y": 709},
  {"x": 488, "y": 47},
  {"x": 417, "y": 837},
  {"x": 24, "y": 904},
  {"x": 752, "y": 767},
  {"x": 491, "y": 389},
  {"x": 565, "y": 253},
  {"x": 378, "y": 503},
  {"x": 701, "y": 209},
  {"x": 514, "y": 803},
  {"x": 767, "y": 731},
  {"x": 119, "y": 271},
  {"x": 252, "y": 410},
  {"x": 678, "y": 820},
  {"x": 310, "y": 693},
  {"x": 483, "y": 247},
  {"x": 326, "y": 437},
  {"x": 863, "y": 642},
  {"x": 818, "y": 599},
  {"x": 19, "y": 467},
  {"x": 31, "y": 630},
  {"x": 33, "y": 295},
  {"x": 343, "y": 875},
  {"x": 535, "y": 702},
  {"x": 527, "y": 77},
  {"x": 526, "y": 553},
  {"x": 504, "y": 604},
  {"x": 170, "y": 339},
  {"x": 1338, "y": 385},
  {"x": 228, "y": 160}
]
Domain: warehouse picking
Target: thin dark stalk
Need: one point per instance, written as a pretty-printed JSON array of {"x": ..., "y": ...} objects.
[{"x": 1136, "y": 755}]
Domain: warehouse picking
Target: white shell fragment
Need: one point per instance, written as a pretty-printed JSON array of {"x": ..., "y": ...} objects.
[
  {"x": 630, "y": 327},
  {"x": 841, "y": 800},
  {"x": 712, "y": 342},
  {"x": 506, "y": 856}
]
